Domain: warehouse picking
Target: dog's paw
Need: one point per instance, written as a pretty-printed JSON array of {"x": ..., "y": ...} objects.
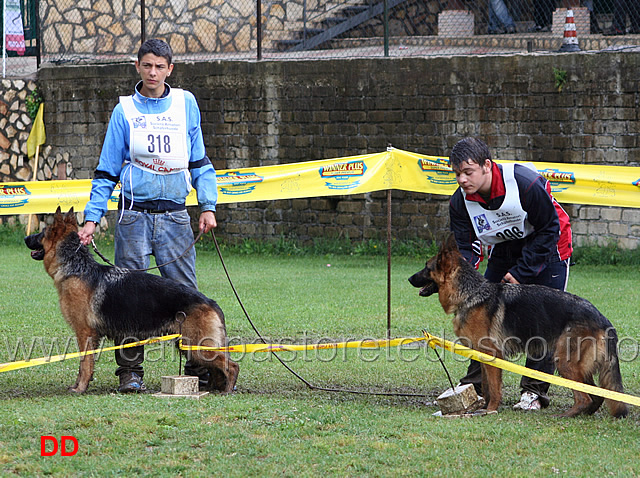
[{"x": 77, "y": 389}]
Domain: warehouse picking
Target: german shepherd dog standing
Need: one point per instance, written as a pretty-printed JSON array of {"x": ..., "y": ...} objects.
[
  {"x": 506, "y": 319},
  {"x": 104, "y": 301}
]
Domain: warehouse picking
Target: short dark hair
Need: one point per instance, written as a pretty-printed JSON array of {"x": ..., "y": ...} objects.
[
  {"x": 469, "y": 149},
  {"x": 157, "y": 47}
]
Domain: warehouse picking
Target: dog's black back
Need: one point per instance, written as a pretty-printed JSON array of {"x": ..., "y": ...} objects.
[
  {"x": 122, "y": 296},
  {"x": 164, "y": 302},
  {"x": 530, "y": 310}
]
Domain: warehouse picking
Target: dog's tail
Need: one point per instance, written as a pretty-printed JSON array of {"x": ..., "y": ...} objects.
[{"x": 610, "y": 377}]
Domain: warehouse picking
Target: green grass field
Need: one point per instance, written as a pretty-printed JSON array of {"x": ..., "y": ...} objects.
[{"x": 274, "y": 424}]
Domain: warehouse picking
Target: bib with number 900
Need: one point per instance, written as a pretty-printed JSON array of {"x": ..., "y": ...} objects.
[
  {"x": 509, "y": 222},
  {"x": 158, "y": 141}
]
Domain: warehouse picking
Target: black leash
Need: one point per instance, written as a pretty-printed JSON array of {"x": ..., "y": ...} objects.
[
  {"x": 284, "y": 364},
  {"x": 453, "y": 387},
  {"x": 255, "y": 329},
  {"x": 95, "y": 249}
]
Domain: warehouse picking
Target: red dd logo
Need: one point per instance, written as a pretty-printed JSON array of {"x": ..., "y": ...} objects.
[{"x": 64, "y": 451}]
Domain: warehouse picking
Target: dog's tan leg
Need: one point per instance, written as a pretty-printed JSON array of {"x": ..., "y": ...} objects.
[
  {"x": 575, "y": 362},
  {"x": 492, "y": 379},
  {"x": 491, "y": 376},
  {"x": 596, "y": 401},
  {"x": 86, "y": 342},
  {"x": 581, "y": 404},
  {"x": 75, "y": 303}
]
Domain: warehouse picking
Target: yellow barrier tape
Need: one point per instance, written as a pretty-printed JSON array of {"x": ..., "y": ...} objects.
[
  {"x": 520, "y": 370},
  {"x": 6, "y": 367},
  {"x": 251, "y": 348},
  {"x": 432, "y": 341},
  {"x": 392, "y": 169}
]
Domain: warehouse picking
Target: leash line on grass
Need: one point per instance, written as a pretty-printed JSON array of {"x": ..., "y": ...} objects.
[
  {"x": 453, "y": 387},
  {"x": 284, "y": 364}
]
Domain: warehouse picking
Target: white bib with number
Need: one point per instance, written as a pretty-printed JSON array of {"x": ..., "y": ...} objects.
[
  {"x": 158, "y": 141},
  {"x": 505, "y": 224}
]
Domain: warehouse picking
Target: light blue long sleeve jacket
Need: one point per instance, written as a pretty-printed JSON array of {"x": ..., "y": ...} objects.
[{"x": 140, "y": 185}]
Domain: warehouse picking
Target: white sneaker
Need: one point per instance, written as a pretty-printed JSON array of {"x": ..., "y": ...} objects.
[{"x": 528, "y": 401}]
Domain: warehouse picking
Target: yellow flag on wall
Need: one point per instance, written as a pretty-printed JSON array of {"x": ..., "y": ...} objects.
[{"x": 37, "y": 135}]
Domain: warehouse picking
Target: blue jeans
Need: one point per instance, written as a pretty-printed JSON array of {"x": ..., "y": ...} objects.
[
  {"x": 555, "y": 275},
  {"x": 499, "y": 16},
  {"x": 165, "y": 236}
]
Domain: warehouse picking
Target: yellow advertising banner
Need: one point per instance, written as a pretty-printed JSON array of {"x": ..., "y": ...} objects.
[{"x": 392, "y": 169}]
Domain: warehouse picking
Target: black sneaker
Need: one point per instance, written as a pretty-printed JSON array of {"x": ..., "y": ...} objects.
[
  {"x": 204, "y": 381},
  {"x": 131, "y": 382}
]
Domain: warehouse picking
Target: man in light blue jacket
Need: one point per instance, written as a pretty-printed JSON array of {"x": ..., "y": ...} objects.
[{"x": 154, "y": 148}]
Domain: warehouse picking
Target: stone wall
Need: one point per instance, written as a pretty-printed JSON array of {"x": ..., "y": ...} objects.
[
  {"x": 261, "y": 113},
  {"x": 15, "y": 126}
]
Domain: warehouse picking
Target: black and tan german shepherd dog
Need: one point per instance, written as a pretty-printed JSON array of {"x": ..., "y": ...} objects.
[
  {"x": 506, "y": 319},
  {"x": 104, "y": 301}
]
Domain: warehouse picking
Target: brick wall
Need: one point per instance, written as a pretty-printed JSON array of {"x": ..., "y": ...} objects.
[{"x": 261, "y": 113}]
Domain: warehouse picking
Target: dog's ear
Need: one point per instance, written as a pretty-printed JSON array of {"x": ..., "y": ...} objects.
[
  {"x": 70, "y": 217},
  {"x": 442, "y": 252},
  {"x": 448, "y": 250},
  {"x": 448, "y": 245},
  {"x": 451, "y": 244},
  {"x": 57, "y": 217}
]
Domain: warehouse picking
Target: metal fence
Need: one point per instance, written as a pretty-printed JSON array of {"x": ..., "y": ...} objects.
[{"x": 94, "y": 31}]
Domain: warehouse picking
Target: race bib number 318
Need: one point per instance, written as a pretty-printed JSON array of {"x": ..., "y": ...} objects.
[{"x": 166, "y": 145}]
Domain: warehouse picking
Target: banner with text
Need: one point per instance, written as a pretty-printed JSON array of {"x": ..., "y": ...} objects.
[{"x": 393, "y": 169}]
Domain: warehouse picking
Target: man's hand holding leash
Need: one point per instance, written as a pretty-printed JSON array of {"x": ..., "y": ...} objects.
[
  {"x": 509, "y": 279},
  {"x": 207, "y": 221},
  {"x": 86, "y": 233}
]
